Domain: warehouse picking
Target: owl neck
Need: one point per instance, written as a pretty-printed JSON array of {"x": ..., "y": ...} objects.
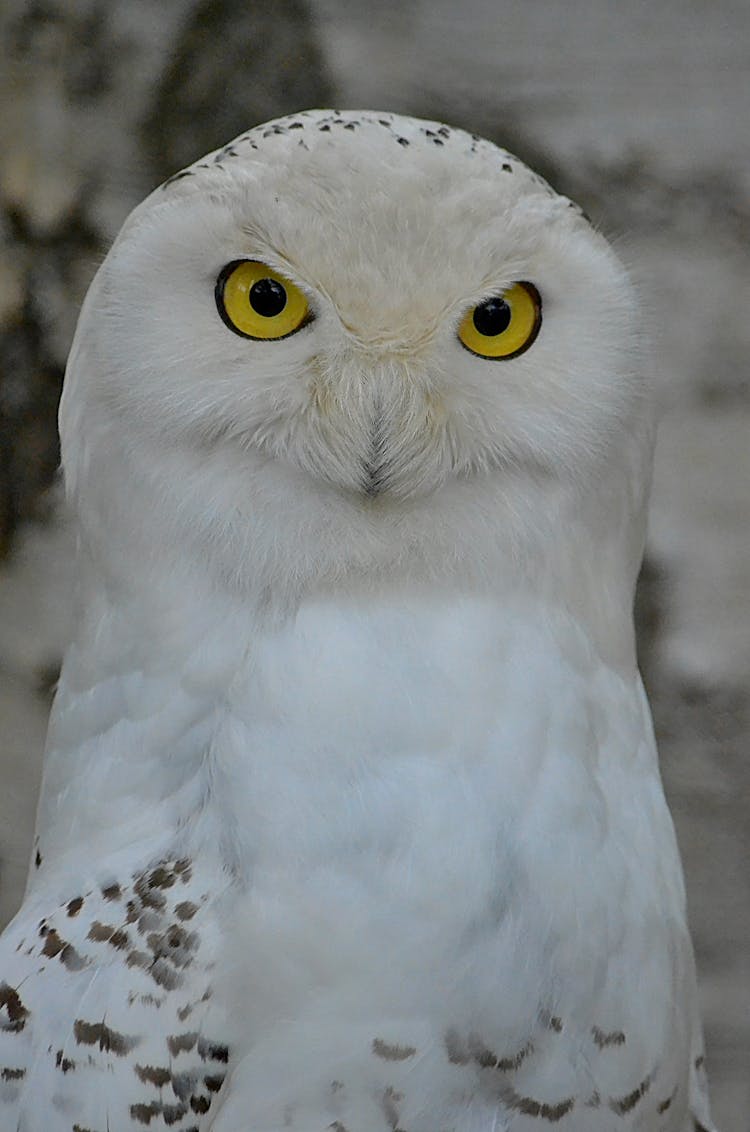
[{"x": 177, "y": 698}]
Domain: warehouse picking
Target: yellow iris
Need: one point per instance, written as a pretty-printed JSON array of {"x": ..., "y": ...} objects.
[
  {"x": 505, "y": 325},
  {"x": 256, "y": 302}
]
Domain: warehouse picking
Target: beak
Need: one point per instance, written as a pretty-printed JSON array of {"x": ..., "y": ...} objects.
[{"x": 374, "y": 473}]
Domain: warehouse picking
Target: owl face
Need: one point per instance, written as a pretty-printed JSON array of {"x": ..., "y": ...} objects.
[
  {"x": 354, "y": 325},
  {"x": 378, "y": 303}
]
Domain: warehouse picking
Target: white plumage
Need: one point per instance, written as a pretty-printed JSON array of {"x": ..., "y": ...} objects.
[{"x": 351, "y": 815}]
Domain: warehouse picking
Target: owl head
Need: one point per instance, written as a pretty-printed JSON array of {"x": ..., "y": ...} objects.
[{"x": 349, "y": 347}]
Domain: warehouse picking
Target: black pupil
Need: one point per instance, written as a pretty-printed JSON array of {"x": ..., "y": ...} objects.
[
  {"x": 267, "y": 298},
  {"x": 492, "y": 317}
]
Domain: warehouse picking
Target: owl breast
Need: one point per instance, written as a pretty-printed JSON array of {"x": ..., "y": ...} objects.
[{"x": 433, "y": 796}]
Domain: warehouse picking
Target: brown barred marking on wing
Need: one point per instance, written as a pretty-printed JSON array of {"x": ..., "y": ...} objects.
[
  {"x": 473, "y": 1049},
  {"x": 99, "y": 1034},
  {"x": 55, "y": 947},
  {"x": 13, "y": 1014},
  {"x": 392, "y": 1052},
  {"x": 666, "y": 1104},
  {"x": 145, "y": 925},
  {"x": 624, "y": 1105},
  {"x": 12, "y": 1074},
  {"x": 605, "y": 1040},
  {"x": 528, "y": 1106}
]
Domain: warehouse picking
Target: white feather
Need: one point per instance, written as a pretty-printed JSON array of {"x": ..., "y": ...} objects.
[{"x": 373, "y": 777}]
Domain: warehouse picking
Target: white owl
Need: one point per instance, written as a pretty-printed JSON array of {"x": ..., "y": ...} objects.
[{"x": 351, "y": 815}]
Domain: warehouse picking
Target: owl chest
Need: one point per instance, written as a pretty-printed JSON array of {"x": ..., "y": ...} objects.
[
  {"x": 450, "y": 766},
  {"x": 454, "y": 830}
]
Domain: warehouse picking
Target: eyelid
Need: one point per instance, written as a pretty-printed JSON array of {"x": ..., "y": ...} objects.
[
  {"x": 233, "y": 294},
  {"x": 513, "y": 338}
]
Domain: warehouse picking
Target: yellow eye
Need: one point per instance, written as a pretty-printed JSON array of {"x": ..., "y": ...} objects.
[
  {"x": 504, "y": 325},
  {"x": 256, "y": 302}
]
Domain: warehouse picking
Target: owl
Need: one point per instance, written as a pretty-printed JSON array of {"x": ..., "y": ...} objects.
[{"x": 351, "y": 816}]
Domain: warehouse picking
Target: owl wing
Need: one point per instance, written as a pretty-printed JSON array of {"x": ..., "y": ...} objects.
[
  {"x": 700, "y": 1111},
  {"x": 106, "y": 1007}
]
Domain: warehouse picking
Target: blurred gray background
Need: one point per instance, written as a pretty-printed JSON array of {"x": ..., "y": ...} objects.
[{"x": 640, "y": 111}]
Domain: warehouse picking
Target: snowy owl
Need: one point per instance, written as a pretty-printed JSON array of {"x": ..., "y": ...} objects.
[{"x": 351, "y": 816}]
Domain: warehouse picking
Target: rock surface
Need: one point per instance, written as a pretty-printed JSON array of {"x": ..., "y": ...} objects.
[{"x": 638, "y": 112}]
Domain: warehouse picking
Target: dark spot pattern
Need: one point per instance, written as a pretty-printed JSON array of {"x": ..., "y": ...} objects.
[
  {"x": 153, "y": 1075},
  {"x": 212, "y": 1051},
  {"x": 181, "y": 1043},
  {"x": 543, "y": 1110},
  {"x": 392, "y": 1052},
  {"x": 99, "y": 1034},
  {"x": 13, "y": 1014},
  {"x": 404, "y": 133},
  {"x": 623, "y": 1105},
  {"x": 63, "y": 1063},
  {"x": 12, "y": 1074},
  {"x": 666, "y": 1104},
  {"x": 391, "y": 1100},
  {"x": 151, "y": 925},
  {"x": 474, "y": 1050},
  {"x": 604, "y": 1040}
]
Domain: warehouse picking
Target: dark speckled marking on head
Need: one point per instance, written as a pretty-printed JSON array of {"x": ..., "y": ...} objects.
[
  {"x": 177, "y": 177},
  {"x": 404, "y": 130}
]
